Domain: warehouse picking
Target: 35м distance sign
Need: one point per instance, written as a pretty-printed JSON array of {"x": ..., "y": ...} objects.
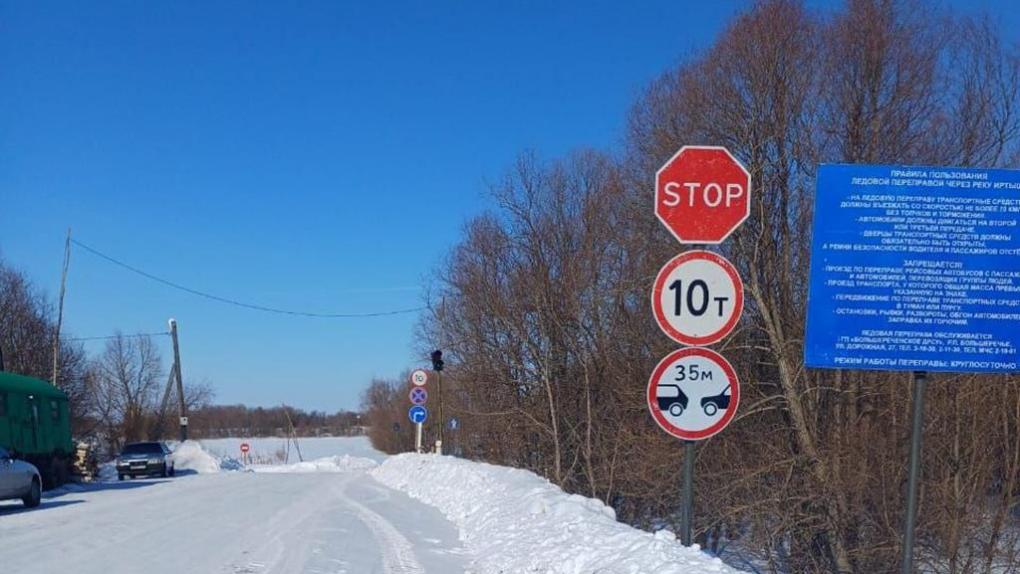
[
  {"x": 693, "y": 393},
  {"x": 698, "y": 298}
]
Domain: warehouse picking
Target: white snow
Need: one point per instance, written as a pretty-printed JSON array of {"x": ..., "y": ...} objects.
[
  {"x": 190, "y": 455},
  {"x": 340, "y": 463},
  {"x": 514, "y": 521},
  {"x": 232, "y": 523},
  {"x": 342, "y": 511},
  {"x": 272, "y": 450},
  {"x": 209, "y": 456}
]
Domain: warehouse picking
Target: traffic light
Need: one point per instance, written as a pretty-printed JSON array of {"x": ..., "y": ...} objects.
[{"x": 437, "y": 360}]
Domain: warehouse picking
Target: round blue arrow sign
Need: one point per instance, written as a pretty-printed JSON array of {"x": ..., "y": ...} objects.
[
  {"x": 418, "y": 395},
  {"x": 417, "y": 414}
]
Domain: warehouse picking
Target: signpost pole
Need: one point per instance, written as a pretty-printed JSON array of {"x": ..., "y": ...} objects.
[
  {"x": 687, "y": 513},
  {"x": 920, "y": 382},
  {"x": 437, "y": 366},
  {"x": 691, "y": 202},
  {"x": 417, "y": 438},
  {"x": 439, "y": 441}
]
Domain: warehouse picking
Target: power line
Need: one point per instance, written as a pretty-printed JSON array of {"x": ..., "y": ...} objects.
[
  {"x": 105, "y": 337},
  {"x": 235, "y": 302}
]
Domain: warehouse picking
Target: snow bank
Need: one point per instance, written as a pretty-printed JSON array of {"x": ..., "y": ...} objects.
[
  {"x": 342, "y": 463},
  {"x": 514, "y": 521},
  {"x": 190, "y": 455}
]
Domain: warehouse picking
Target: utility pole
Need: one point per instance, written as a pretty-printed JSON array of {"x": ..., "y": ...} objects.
[
  {"x": 292, "y": 433},
  {"x": 60, "y": 309},
  {"x": 437, "y": 366},
  {"x": 167, "y": 391},
  {"x": 183, "y": 407}
]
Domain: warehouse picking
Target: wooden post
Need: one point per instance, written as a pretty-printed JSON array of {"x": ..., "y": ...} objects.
[
  {"x": 182, "y": 408},
  {"x": 291, "y": 434},
  {"x": 60, "y": 309}
]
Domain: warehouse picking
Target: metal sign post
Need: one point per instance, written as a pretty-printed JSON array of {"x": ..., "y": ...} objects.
[
  {"x": 687, "y": 512},
  {"x": 418, "y": 414},
  {"x": 437, "y": 366},
  {"x": 917, "y": 426},
  {"x": 702, "y": 194},
  {"x": 418, "y": 396}
]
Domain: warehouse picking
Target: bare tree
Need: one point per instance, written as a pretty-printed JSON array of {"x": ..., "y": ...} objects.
[
  {"x": 125, "y": 380},
  {"x": 26, "y": 339},
  {"x": 543, "y": 306}
]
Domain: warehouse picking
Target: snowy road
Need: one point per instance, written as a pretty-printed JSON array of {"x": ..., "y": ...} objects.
[
  {"x": 232, "y": 523},
  {"x": 346, "y": 508}
]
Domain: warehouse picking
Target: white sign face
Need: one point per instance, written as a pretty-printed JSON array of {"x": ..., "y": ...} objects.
[
  {"x": 693, "y": 393},
  {"x": 184, "y": 421},
  {"x": 419, "y": 378},
  {"x": 697, "y": 298}
]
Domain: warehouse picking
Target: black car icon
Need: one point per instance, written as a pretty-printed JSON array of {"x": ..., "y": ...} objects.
[
  {"x": 673, "y": 400},
  {"x": 716, "y": 403}
]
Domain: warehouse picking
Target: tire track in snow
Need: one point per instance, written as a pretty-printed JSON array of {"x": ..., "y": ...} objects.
[{"x": 397, "y": 552}]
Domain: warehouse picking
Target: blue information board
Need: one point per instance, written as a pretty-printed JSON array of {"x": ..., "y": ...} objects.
[{"x": 915, "y": 269}]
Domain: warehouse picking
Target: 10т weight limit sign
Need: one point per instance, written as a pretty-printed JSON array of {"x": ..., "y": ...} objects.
[{"x": 697, "y": 298}]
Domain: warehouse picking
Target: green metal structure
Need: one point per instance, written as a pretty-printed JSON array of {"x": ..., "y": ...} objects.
[{"x": 35, "y": 422}]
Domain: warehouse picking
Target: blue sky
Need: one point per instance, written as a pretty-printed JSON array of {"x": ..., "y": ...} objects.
[{"x": 322, "y": 157}]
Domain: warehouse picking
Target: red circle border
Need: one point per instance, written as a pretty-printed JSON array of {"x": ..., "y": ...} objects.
[
  {"x": 664, "y": 424},
  {"x": 659, "y": 285}
]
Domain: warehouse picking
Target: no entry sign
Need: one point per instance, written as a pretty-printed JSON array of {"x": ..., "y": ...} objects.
[
  {"x": 693, "y": 393},
  {"x": 697, "y": 298},
  {"x": 419, "y": 377},
  {"x": 245, "y": 448},
  {"x": 702, "y": 194}
]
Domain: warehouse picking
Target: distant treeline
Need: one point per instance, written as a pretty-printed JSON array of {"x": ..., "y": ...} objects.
[{"x": 217, "y": 421}]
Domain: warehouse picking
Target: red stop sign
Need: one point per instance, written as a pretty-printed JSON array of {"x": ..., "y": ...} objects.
[{"x": 702, "y": 194}]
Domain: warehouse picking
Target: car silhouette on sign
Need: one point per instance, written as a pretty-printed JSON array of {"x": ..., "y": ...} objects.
[
  {"x": 716, "y": 403},
  {"x": 673, "y": 400}
]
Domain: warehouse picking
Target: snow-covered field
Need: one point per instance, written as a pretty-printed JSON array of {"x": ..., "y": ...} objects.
[
  {"x": 346, "y": 509},
  {"x": 311, "y": 448}
]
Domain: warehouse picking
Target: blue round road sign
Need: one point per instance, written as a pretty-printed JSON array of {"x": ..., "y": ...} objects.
[
  {"x": 418, "y": 395},
  {"x": 417, "y": 414}
]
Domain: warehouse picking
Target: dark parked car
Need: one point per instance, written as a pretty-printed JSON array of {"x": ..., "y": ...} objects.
[
  {"x": 143, "y": 459},
  {"x": 671, "y": 399},
  {"x": 716, "y": 403},
  {"x": 19, "y": 480}
]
